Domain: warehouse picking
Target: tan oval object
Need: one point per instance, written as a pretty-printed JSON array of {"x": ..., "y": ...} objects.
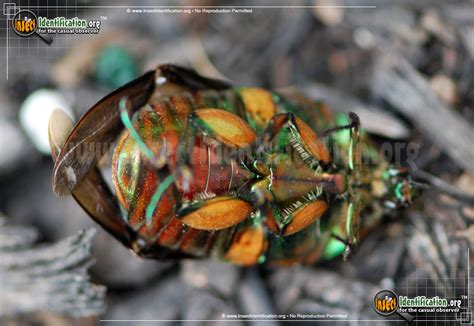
[
  {"x": 227, "y": 127},
  {"x": 218, "y": 213}
]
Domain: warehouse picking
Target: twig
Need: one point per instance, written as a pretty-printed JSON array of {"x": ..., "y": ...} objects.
[
  {"x": 372, "y": 118},
  {"x": 397, "y": 82},
  {"x": 49, "y": 278}
]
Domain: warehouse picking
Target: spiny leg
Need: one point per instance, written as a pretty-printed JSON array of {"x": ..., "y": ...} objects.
[
  {"x": 354, "y": 139},
  {"x": 355, "y": 123},
  {"x": 301, "y": 137},
  {"x": 284, "y": 221},
  {"x": 346, "y": 231}
]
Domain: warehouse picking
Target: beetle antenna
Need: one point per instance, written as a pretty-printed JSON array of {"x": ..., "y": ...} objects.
[{"x": 438, "y": 184}]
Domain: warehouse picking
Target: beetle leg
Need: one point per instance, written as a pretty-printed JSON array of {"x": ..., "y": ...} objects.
[
  {"x": 215, "y": 213},
  {"x": 347, "y": 248},
  {"x": 354, "y": 139},
  {"x": 249, "y": 244},
  {"x": 346, "y": 230},
  {"x": 300, "y": 136},
  {"x": 224, "y": 126},
  {"x": 355, "y": 123},
  {"x": 303, "y": 216},
  {"x": 290, "y": 220}
]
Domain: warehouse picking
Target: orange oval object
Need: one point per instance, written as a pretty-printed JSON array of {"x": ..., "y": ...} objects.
[
  {"x": 226, "y": 127},
  {"x": 247, "y": 246},
  {"x": 305, "y": 216},
  {"x": 258, "y": 104},
  {"x": 311, "y": 142},
  {"x": 218, "y": 213}
]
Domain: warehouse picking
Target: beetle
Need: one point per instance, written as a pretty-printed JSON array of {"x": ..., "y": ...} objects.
[{"x": 201, "y": 167}]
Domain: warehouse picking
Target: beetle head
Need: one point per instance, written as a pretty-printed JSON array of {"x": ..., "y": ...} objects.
[{"x": 398, "y": 187}]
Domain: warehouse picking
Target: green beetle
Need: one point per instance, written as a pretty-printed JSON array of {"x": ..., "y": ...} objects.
[{"x": 201, "y": 167}]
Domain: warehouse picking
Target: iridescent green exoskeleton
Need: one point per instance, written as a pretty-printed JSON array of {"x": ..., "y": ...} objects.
[{"x": 201, "y": 167}]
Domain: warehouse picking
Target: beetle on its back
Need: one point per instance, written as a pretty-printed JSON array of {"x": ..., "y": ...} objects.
[{"x": 204, "y": 168}]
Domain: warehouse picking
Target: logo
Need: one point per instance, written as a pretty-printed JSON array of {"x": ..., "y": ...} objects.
[
  {"x": 385, "y": 302},
  {"x": 25, "y": 23}
]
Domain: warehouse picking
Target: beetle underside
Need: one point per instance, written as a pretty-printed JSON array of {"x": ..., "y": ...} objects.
[{"x": 203, "y": 168}]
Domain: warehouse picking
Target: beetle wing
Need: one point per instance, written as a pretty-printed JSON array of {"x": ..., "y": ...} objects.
[{"x": 95, "y": 133}]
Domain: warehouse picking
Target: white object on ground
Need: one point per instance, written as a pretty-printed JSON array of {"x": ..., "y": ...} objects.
[{"x": 35, "y": 112}]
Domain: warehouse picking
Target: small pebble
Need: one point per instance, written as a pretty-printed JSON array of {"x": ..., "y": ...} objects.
[
  {"x": 446, "y": 199},
  {"x": 445, "y": 88},
  {"x": 394, "y": 230},
  {"x": 328, "y": 12},
  {"x": 387, "y": 283},
  {"x": 468, "y": 234},
  {"x": 338, "y": 62},
  {"x": 466, "y": 183},
  {"x": 364, "y": 38},
  {"x": 35, "y": 112},
  {"x": 468, "y": 212}
]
